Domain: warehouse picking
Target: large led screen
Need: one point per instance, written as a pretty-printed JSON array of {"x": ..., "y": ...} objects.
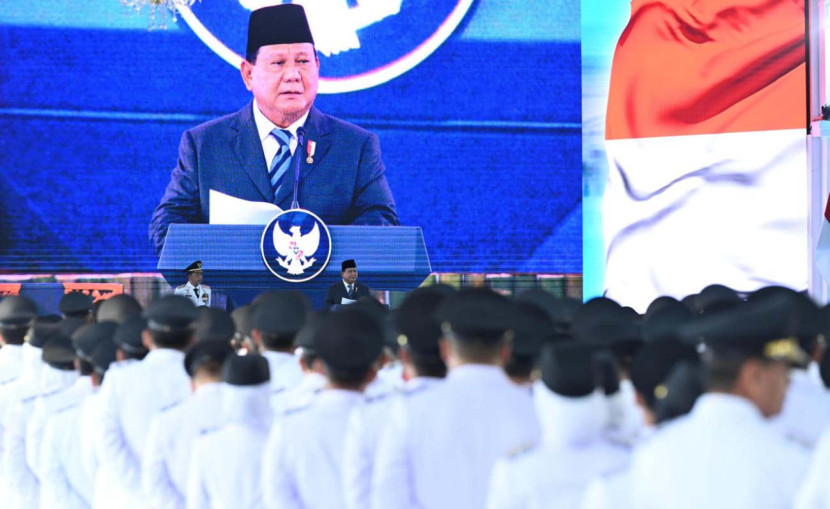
[
  {"x": 476, "y": 105},
  {"x": 694, "y": 152}
]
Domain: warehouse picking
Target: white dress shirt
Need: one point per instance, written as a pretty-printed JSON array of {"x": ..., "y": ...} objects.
[
  {"x": 557, "y": 472},
  {"x": 724, "y": 454},
  {"x": 625, "y": 418},
  {"x": 48, "y": 405},
  {"x": 440, "y": 445},
  {"x": 64, "y": 480},
  {"x": 366, "y": 424},
  {"x": 304, "y": 455},
  {"x": 199, "y": 295},
  {"x": 11, "y": 365},
  {"x": 302, "y": 394},
  {"x": 286, "y": 373},
  {"x": 226, "y": 465},
  {"x": 164, "y": 470},
  {"x": 130, "y": 397},
  {"x": 269, "y": 144},
  {"x": 815, "y": 492},
  {"x": 806, "y": 411}
]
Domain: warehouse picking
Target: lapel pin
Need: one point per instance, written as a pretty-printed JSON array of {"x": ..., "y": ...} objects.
[{"x": 310, "y": 147}]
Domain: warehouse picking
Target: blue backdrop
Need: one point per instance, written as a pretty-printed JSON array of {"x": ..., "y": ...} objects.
[{"x": 481, "y": 141}]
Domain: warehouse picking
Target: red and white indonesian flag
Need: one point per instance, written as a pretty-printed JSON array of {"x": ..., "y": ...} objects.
[{"x": 706, "y": 144}]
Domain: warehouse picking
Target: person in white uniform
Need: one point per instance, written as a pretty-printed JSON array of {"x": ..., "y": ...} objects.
[
  {"x": 650, "y": 370},
  {"x": 64, "y": 480},
  {"x": 304, "y": 456},
  {"x": 423, "y": 368},
  {"x": 725, "y": 453},
  {"x": 571, "y": 411},
  {"x": 25, "y": 385},
  {"x": 164, "y": 470},
  {"x": 198, "y": 293},
  {"x": 226, "y": 463},
  {"x": 133, "y": 394},
  {"x": 103, "y": 358},
  {"x": 441, "y": 446},
  {"x": 277, "y": 317}
]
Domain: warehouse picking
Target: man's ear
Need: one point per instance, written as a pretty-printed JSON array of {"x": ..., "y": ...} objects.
[
  {"x": 147, "y": 339},
  {"x": 245, "y": 69}
]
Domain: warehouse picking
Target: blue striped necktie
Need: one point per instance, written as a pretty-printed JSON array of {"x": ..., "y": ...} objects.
[{"x": 281, "y": 161}]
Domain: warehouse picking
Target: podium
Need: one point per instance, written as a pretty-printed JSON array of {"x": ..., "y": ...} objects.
[{"x": 390, "y": 258}]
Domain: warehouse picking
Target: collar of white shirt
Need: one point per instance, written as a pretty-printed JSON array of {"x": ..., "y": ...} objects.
[
  {"x": 478, "y": 372},
  {"x": 264, "y": 128},
  {"x": 190, "y": 286},
  {"x": 347, "y": 285},
  {"x": 713, "y": 406}
]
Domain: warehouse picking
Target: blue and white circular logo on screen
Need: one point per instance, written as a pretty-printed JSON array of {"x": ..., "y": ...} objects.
[
  {"x": 362, "y": 43},
  {"x": 296, "y": 246}
]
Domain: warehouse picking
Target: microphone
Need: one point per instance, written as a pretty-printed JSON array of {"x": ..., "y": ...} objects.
[{"x": 298, "y": 155}]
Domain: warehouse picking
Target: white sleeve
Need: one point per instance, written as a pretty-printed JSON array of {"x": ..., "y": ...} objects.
[
  {"x": 197, "y": 496},
  {"x": 357, "y": 464},
  {"x": 34, "y": 436},
  {"x": 814, "y": 492},
  {"x": 392, "y": 483},
  {"x": 279, "y": 482},
  {"x": 89, "y": 434},
  {"x": 21, "y": 483},
  {"x": 156, "y": 483},
  {"x": 116, "y": 454},
  {"x": 55, "y": 489},
  {"x": 501, "y": 493}
]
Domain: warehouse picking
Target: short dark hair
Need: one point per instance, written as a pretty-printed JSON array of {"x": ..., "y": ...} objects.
[
  {"x": 173, "y": 339},
  {"x": 477, "y": 349},
  {"x": 14, "y": 336},
  {"x": 722, "y": 369},
  {"x": 278, "y": 342},
  {"x": 133, "y": 355},
  {"x": 520, "y": 366},
  {"x": 428, "y": 365},
  {"x": 351, "y": 379},
  {"x": 210, "y": 369}
]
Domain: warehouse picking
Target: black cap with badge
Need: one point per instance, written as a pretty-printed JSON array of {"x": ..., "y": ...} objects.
[
  {"x": 766, "y": 329},
  {"x": 278, "y": 24},
  {"x": 652, "y": 365},
  {"x": 194, "y": 267}
]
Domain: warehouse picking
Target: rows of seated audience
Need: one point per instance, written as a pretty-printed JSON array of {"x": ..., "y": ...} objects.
[{"x": 456, "y": 399}]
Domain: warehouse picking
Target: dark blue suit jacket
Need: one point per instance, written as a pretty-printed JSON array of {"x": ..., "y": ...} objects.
[{"x": 345, "y": 184}]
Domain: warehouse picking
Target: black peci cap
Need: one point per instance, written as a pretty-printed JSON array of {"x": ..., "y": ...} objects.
[
  {"x": 243, "y": 320},
  {"x": 69, "y": 325},
  {"x": 602, "y": 320},
  {"x": 16, "y": 312},
  {"x": 677, "y": 394},
  {"x": 278, "y": 24},
  {"x": 281, "y": 313},
  {"x": 171, "y": 313},
  {"x": 245, "y": 370},
  {"x": 568, "y": 369},
  {"x": 664, "y": 321},
  {"x": 205, "y": 351},
  {"x": 348, "y": 339},
  {"x": 75, "y": 304},
  {"x": 306, "y": 336},
  {"x": 87, "y": 338},
  {"x": 58, "y": 353},
  {"x": 347, "y": 264},
  {"x": 118, "y": 308},
  {"x": 214, "y": 324},
  {"x": 716, "y": 298},
  {"x": 476, "y": 314}
]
